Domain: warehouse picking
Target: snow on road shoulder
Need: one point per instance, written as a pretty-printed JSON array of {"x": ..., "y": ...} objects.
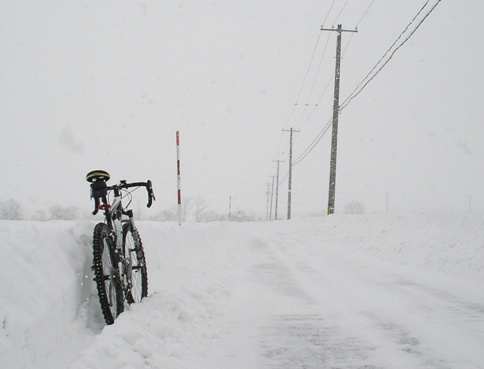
[
  {"x": 190, "y": 272},
  {"x": 442, "y": 243}
]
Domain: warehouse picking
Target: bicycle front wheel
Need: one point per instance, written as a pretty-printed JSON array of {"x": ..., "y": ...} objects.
[
  {"x": 106, "y": 274},
  {"x": 138, "y": 274}
]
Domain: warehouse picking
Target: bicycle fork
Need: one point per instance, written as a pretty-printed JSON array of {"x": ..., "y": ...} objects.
[{"x": 125, "y": 263}]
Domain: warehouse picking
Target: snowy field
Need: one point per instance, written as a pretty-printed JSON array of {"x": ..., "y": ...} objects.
[{"x": 366, "y": 291}]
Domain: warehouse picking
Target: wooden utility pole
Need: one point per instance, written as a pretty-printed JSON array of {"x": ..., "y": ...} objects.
[
  {"x": 277, "y": 187},
  {"x": 178, "y": 177},
  {"x": 268, "y": 194},
  {"x": 289, "y": 187},
  {"x": 334, "y": 137},
  {"x": 272, "y": 197}
]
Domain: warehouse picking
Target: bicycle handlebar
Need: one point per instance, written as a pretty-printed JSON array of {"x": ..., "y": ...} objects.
[
  {"x": 96, "y": 194},
  {"x": 147, "y": 184}
]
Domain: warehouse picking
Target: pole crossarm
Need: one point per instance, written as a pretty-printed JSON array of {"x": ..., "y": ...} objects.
[{"x": 339, "y": 29}]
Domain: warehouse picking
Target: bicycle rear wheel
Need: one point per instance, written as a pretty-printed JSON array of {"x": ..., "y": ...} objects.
[
  {"x": 106, "y": 274},
  {"x": 133, "y": 249}
]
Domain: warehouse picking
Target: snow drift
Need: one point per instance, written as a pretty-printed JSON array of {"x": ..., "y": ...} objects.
[{"x": 200, "y": 288}]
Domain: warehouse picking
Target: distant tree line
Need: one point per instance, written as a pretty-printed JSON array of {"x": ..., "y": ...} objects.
[
  {"x": 194, "y": 209},
  {"x": 12, "y": 210}
]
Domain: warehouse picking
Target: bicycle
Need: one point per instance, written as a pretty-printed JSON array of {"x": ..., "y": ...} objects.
[{"x": 119, "y": 262}]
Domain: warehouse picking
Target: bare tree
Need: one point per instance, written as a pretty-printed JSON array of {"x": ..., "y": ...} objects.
[
  {"x": 200, "y": 208},
  {"x": 11, "y": 210},
  {"x": 165, "y": 216},
  {"x": 354, "y": 207},
  {"x": 58, "y": 212},
  {"x": 187, "y": 207}
]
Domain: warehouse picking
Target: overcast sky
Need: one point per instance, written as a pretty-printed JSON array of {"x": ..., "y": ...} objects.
[{"x": 106, "y": 84}]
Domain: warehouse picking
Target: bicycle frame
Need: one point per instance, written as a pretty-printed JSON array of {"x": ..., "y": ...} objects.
[{"x": 113, "y": 214}]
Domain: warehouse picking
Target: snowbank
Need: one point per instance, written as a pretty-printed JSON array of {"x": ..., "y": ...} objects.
[{"x": 49, "y": 311}]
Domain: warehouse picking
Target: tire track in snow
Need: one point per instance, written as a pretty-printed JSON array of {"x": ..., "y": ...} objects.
[
  {"x": 438, "y": 311},
  {"x": 295, "y": 329}
]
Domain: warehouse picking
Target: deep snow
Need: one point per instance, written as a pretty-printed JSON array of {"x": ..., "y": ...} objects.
[{"x": 367, "y": 291}]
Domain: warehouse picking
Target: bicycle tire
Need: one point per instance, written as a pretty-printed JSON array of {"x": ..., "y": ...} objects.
[
  {"x": 139, "y": 273},
  {"x": 106, "y": 274}
]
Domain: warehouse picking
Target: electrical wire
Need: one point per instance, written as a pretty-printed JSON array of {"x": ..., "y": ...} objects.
[
  {"x": 392, "y": 45},
  {"x": 356, "y": 92},
  {"x": 302, "y": 117},
  {"x": 365, "y": 13},
  {"x": 329, "y": 11},
  {"x": 341, "y": 11},
  {"x": 317, "y": 73},
  {"x": 297, "y": 103},
  {"x": 302, "y": 86},
  {"x": 307, "y": 104},
  {"x": 309, "y": 67},
  {"x": 368, "y": 79},
  {"x": 313, "y": 144}
]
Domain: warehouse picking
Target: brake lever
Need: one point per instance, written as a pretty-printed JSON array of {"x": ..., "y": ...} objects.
[{"x": 151, "y": 195}]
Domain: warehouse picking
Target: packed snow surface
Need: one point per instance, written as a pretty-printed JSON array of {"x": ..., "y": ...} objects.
[{"x": 366, "y": 291}]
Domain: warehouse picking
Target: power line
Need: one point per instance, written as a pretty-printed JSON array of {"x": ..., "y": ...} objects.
[
  {"x": 317, "y": 72},
  {"x": 302, "y": 117},
  {"x": 329, "y": 11},
  {"x": 313, "y": 144},
  {"x": 341, "y": 11},
  {"x": 309, "y": 66},
  {"x": 356, "y": 92},
  {"x": 321, "y": 134},
  {"x": 319, "y": 67},
  {"x": 365, "y": 13},
  {"x": 368, "y": 79},
  {"x": 392, "y": 45},
  {"x": 302, "y": 86},
  {"x": 307, "y": 104}
]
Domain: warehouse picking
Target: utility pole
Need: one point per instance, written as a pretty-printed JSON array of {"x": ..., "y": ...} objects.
[
  {"x": 289, "y": 188},
  {"x": 268, "y": 194},
  {"x": 272, "y": 196},
  {"x": 178, "y": 177},
  {"x": 334, "y": 137},
  {"x": 277, "y": 187}
]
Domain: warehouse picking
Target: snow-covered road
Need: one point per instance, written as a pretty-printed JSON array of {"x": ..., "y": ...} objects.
[
  {"x": 305, "y": 306},
  {"x": 337, "y": 292}
]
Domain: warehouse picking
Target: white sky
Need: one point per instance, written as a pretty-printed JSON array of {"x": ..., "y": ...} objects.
[{"x": 86, "y": 83}]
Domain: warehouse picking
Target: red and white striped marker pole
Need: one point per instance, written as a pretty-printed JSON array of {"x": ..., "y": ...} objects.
[{"x": 178, "y": 175}]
